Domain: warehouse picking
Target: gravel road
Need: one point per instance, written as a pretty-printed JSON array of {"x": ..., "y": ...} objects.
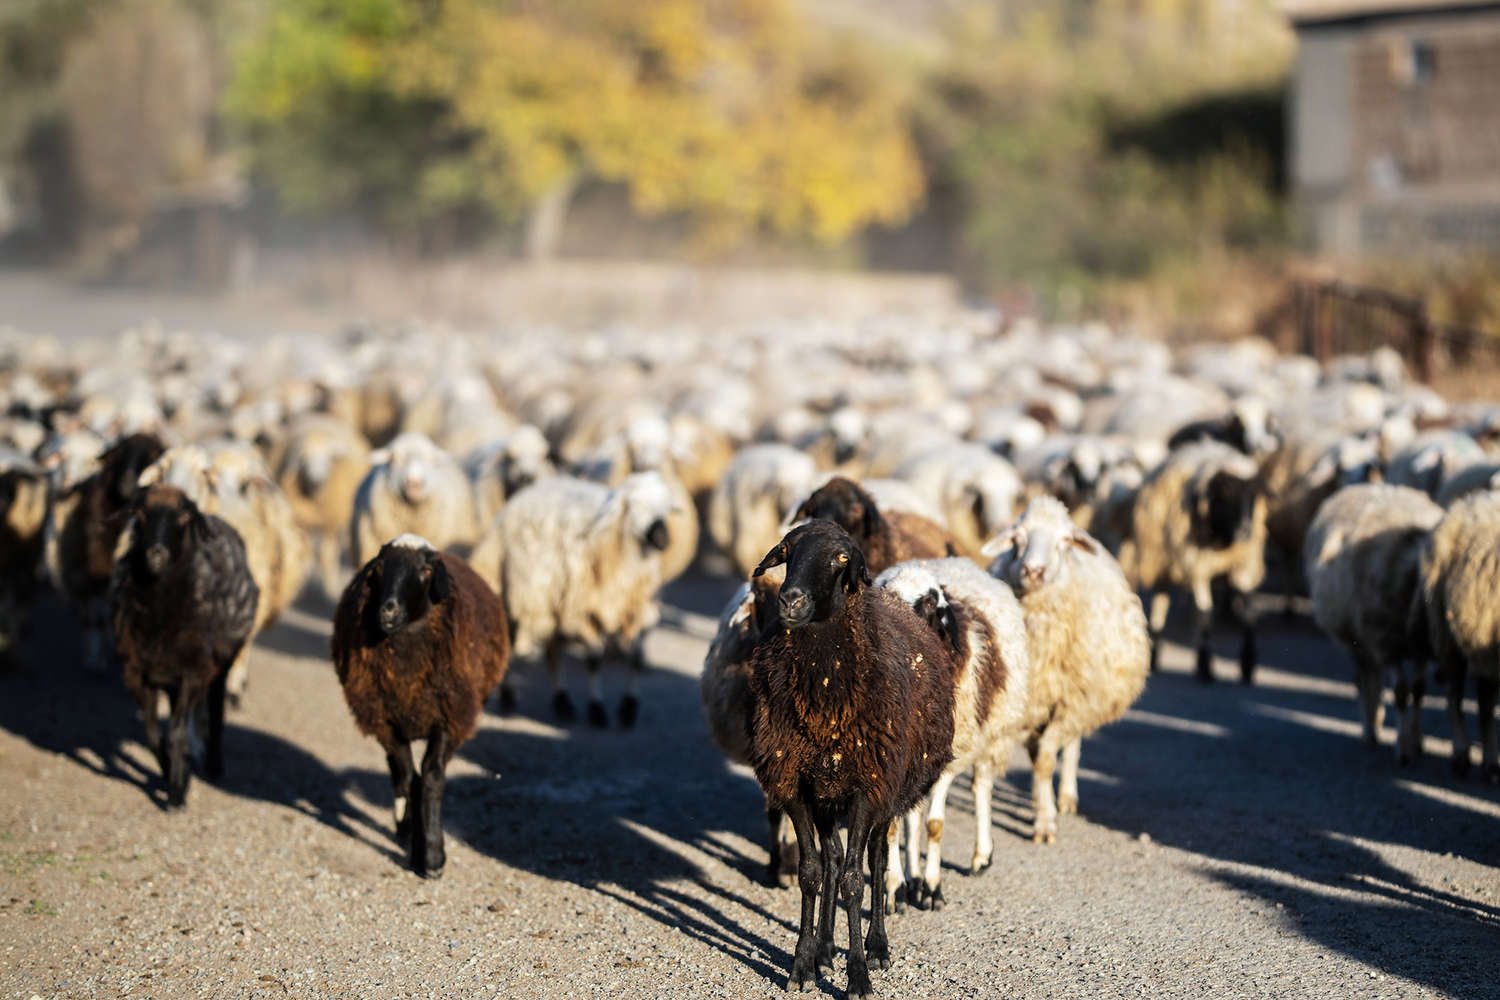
[{"x": 1234, "y": 842}]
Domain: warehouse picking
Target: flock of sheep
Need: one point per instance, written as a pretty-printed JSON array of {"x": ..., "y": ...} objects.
[{"x": 955, "y": 537}]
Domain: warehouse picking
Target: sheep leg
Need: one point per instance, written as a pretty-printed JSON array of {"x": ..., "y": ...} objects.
[
  {"x": 1043, "y": 763},
  {"x": 804, "y": 971},
  {"x": 877, "y": 945},
  {"x": 1408, "y": 696},
  {"x": 562, "y": 705},
  {"x": 1485, "y": 691},
  {"x": 329, "y": 570},
  {"x": 398, "y": 760},
  {"x": 932, "y": 875},
  {"x": 1067, "y": 782},
  {"x": 630, "y": 705},
  {"x": 833, "y": 864},
  {"x": 1454, "y": 680},
  {"x": 1161, "y": 602},
  {"x": 984, "y": 785},
  {"x": 1203, "y": 606},
  {"x": 183, "y": 698},
  {"x": 915, "y": 829},
  {"x": 213, "y": 765},
  {"x": 851, "y": 891},
  {"x": 598, "y": 717},
  {"x": 1244, "y": 613},
  {"x": 895, "y": 878},
  {"x": 427, "y": 855},
  {"x": 1368, "y": 679},
  {"x": 145, "y": 703},
  {"x": 239, "y": 676},
  {"x": 778, "y": 873}
]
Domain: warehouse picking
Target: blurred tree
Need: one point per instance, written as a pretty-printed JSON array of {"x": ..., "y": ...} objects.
[{"x": 725, "y": 111}]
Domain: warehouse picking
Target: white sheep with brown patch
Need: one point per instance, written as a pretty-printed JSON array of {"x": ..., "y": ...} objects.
[{"x": 981, "y": 623}]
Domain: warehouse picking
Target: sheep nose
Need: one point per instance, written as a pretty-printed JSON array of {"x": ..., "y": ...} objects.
[
  {"x": 796, "y": 607},
  {"x": 390, "y": 611},
  {"x": 156, "y": 558},
  {"x": 1032, "y": 575}
]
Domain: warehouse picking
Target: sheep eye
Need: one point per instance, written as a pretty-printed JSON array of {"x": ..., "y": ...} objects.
[{"x": 843, "y": 557}]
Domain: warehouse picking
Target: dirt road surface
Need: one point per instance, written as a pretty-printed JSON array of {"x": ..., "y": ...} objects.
[{"x": 1233, "y": 842}]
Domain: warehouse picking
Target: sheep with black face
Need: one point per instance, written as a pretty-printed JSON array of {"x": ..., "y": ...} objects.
[
  {"x": 1200, "y": 517},
  {"x": 183, "y": 604},
  {"x": 419, "y": 641},
  {"x": 853, "y": 721}
]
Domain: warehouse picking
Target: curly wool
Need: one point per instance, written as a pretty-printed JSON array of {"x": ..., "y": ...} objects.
[{"x": 445, "y": 514}]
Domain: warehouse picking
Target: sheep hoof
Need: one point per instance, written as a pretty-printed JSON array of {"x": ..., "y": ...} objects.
[
  {"x": 859, "y": 983},
  {"x": 507, "y": 699},
  {"x": 878, "y": 952},
  {"x": 824, "y": 962},
  {"x": 562, "y": 707},
  {"x": 1247, "y": 673},
  {"x": 1492, "y": 774},
  {"x": 432, "y": 874},
  {"x": 915, "y": 898},
  {"x": 630, "y": 710},
  {"x": 934, "y": 897},
  {"x": 1044, "y": 837},
  {"x": 802, "y": 976},
  {"x": 1067, "y": 805},
  {"x": 1205, "y": 668},
  {"x": 980, "y": 865},
  {"x": 175, "y": 804},
  {"x": 598, "y": 717}
]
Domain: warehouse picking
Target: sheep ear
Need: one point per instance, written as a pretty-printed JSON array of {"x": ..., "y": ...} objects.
[
  {"x": 857, "y": 573},
  {"x": 1005, "y": 540},
  {"x": 801, "y": 513},
  {"x": 950, "y": 626},
  {"x": 1080, "y": 540},
  {"x": 439, "y": 585},
  {"x": 775, "y": 557},
  {"x": 871, "y": 521}
]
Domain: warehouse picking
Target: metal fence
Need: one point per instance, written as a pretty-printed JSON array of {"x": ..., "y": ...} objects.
[{"x": 1329, "y": 318}]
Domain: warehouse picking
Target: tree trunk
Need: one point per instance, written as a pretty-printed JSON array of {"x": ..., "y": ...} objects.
[{"x": 544, "y": 227}]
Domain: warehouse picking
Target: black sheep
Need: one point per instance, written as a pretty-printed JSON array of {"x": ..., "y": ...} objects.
[
  {"x": 419, "y": 641},
  {"x": 183, "y": 603},
  {"x": 853, "y": 721}
]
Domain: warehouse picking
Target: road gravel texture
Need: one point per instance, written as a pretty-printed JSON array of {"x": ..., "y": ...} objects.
[{"x": 1233, "y": 842}]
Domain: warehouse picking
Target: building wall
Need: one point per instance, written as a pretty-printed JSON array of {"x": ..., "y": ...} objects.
[{"x": 1397, "y": 134}]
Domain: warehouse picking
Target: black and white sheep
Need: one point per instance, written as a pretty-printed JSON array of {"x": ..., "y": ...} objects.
[{"x": 981, "y": 623}]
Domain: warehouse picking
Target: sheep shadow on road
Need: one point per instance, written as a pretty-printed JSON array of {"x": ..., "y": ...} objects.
[{"x": 1275, "y": 777}]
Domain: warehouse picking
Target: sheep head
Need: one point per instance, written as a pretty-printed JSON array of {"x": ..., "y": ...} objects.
[
  {"x": 164, "y": 523},
  {"x": 1036, "y": 550},
  {"x": 824, "y": 566},
  {"x": 919, "y": 588},
  {"x": 641, "y": 505},
  {"x": 845, "y": 503},
  {"x": 1222, "y": 507},
  {"x": 407, "y": 579}
]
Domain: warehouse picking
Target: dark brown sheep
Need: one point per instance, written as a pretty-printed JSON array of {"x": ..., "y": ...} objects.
[
  {"x": 183, "y": 603},
  {"x": 852, "y": 720},
  {"x": 885, "y": 537},
  {"x": 90, "y": 530},
  {"x": 419, "y": 641}
]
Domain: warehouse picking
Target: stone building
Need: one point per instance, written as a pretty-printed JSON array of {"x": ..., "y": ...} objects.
[{"x": 1395, "y": 125}]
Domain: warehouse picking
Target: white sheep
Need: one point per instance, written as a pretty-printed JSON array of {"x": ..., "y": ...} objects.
[
  {"x": 761, "y": 487},
  {"x": 579, "y": 563},
  {"x": 981, "y": 623},
  {"x": 1088, "y": 644},
  {"x": 413, "y": 487},
  {"x": 1457, "y": 599},
  {"x": 1362, "y": 557},
  {"x": 975, "y": 490}
]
